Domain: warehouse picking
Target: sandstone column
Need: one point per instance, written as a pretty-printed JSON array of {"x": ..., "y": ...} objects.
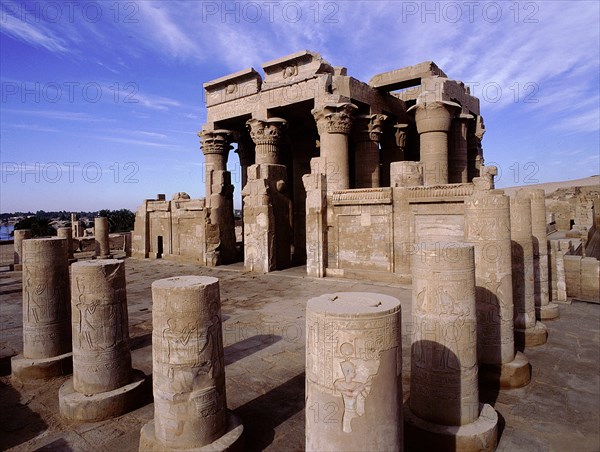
[
  {"x": 475, "y": 132},
  {"x": 334, "y": 123},
  {"x": 353, "y": 372},
  {"x": 406, "y": 174},
  {"x": 433, "y": 124},
  {"x": 101, "y": 238},
  {"x": 544, "y": 309},
  {"x": 245, "y": 152},
  {"x": 267, "y": 207},
  {"x": 67, "y": 233},
  {"x": 267, "y": 135},
  {"x": 188, "y": 369},
  {"x": 103, "y": 383},
  {"x": 457, "y": 159},
  {"x": 393, "y": 144},
  {"x": 315, "y": 185},
  {"x": 46, "y": 313},
  {"x": 528, "y": 332},
  {"x": 215, "y": 147},
  {"x": 19, "y": 235},
  {"x": 367, "y": 135},
  {"x": 487, "y": 227},
  {"x": 444, "y": 411}
]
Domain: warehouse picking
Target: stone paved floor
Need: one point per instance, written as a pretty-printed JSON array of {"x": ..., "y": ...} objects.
[{"x": 263, "y": 333}]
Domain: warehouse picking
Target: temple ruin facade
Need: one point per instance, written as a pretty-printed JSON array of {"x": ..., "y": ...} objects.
[{"x": 342, "y": 176}]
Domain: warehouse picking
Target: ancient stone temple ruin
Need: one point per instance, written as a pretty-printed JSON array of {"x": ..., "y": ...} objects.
[{"x": 343, "y": 176}]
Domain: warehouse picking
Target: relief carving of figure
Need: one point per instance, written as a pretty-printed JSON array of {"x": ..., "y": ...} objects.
[{"x": 353, "y": 393}]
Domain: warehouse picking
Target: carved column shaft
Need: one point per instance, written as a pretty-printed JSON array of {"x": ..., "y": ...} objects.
[
  {"x": 19, "y": 236},
  {"x": 457, "y": 159},
  {"x": 100, "y": 326},
  {"x": 475, "y": 132},
  {"x": 368, "y": 131},
  {"x": 215, "y": 147},
  {"x": 46, "y": 298},
  {"x": 101, "y": 237},
  {"x": 187, "y": 362},
  {"x": 443, "y": 384},
  {"x": 487, "y": 227},
  {"x": 433, "y": 123},
  {"x": 67, "y": 233},
  {"x": 267, "y": 135},
  {"x": 353, "y": 372},
  {"x": 334, "y": 123}
]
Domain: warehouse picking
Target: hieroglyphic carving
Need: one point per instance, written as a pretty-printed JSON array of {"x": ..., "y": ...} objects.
[
  {"x": 353, "y": 339},
  {"x": 101, "y": 355},
  {"x": 46, "y": 313},
  {"x": 188, "y": 361},
  {"x": 363, "y": 196},
  {"x": 444, "y": 356}
]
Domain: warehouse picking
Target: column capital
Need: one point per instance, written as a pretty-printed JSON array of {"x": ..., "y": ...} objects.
[
  {"x": 267, "y": 131},
  {"x": 400, "y": 134},
  {"x": 334, "y": 118},
  {"x": 434, "y": 116},
  {"x": 216, "y": 141},
  {"x": 369, "y": 127}
]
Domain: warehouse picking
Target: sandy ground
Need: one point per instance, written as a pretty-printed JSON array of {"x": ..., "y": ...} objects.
[
  {"x": 550, "y": 187},
  {"x": 264, "y": 337}
]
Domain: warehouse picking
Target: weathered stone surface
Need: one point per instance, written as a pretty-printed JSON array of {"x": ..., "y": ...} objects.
[
  {"x": 190, "y": 406},
  {"x": 433, "y": 124},
  {"x": 67, "y": 233},
  {"x": 544, "y": 309},
  {"x": 406, "y": 174},
  {"x": 101, "y": 237},
  {"x": 46, "y": 313},
  {"x": 487, "y": 227},
  {"x": 19, "y": 236},
  {"x": 444, "y": 389},
  {"x": 353, "y": 372},
  {"x": 100, "y": 327},
  {"x": 528, "y": 332},
  {"x": 406, "y": 77}
]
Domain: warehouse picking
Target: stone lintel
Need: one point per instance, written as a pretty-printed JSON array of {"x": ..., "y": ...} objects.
[
  {"x": 239, "y": 84},
  {"x": 406, "y": 77},
  {"x": 362, "y": 196},
  {"x": 294, "y": 68}
]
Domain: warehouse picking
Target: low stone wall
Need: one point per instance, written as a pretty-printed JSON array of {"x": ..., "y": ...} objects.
[
  {"x": 582, "y": 277},
  {"x": 88, "y": 244}
]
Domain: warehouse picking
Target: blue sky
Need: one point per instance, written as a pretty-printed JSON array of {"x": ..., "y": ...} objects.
[{"x": 101, "y": 101}]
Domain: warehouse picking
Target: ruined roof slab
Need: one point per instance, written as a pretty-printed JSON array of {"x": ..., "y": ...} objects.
[
  {"x": 294, "y": 68},
  {"x": 234, "y": 86},
  {"x": 406, "y": 77}
]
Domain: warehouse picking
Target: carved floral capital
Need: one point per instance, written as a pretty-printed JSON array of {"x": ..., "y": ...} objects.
[
  {"x": 215, "y": 141},
  {"x": 267, "y": 131},
  {"x": 334, "y": 118}
]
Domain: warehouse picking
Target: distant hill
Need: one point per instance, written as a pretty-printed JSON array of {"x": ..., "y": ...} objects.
[{"x": 550, "y": 187}]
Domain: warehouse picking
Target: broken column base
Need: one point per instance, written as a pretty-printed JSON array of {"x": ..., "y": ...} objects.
[
  {"x": 230, "y": 441},
  {"x": 514, "y": 374},
  {"x": 547, "y": 312},
  {"x": 41, "y": 368},
  {"x": 105, "y": 405},
  {"x": 531, "y": 337},
  {"x": 480, "y": 435}
]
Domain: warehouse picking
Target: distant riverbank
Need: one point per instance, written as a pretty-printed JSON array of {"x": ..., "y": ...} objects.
[{"x": 5, "y": 231}]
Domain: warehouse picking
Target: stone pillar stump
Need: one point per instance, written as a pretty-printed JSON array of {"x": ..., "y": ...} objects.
[
  {"x": 19, "y": 235},
  {"x": 528, "y": 331},
  {"x": 487, "y": 228},
  {"x": 543, "y": 308},
  {"x": 46, "y": 311},
  {"x": 443, "y": 411},
  {"x": 101, "y": 238},
  {"x": 103, "y": 385},
  {"x": 353, "y": 372},
  {"x": 67, "y": 233},
  {"x": 188, "y": 369}
]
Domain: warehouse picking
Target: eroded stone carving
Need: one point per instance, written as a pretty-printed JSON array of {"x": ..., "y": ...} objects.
[
  {"x": 46, "y": 311},
  {"x": 190, "y": 406},
  {"x": 353, "y": 372}
]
